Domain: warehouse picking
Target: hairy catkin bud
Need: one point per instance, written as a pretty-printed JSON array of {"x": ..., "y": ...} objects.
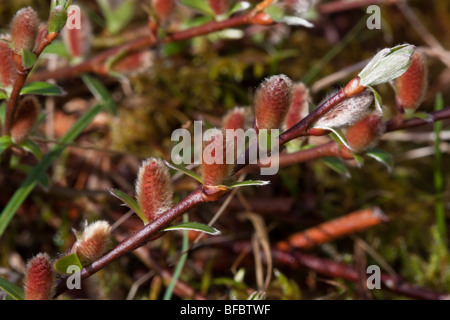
[
  {"x": 93, "y": 242},
  {"x": 154, "y": 192},
  {"x": 365, "y": 133},
  {"x": 78, "y": 40},
  {"x": 134, "y": 63},
  {"x": 8, "y": 71},
  {"x": 25, "y": 118},
  {"x": 163, "y": 10},
  {"x": 412, "y": 85},
  {"x": 235, "y": 119},
  {"x": 24, "y": 29},
  {"x": 348, "y": 111},
  {"x": 272, "y": 100},
  {"x": 39, "y": 278},
  {"x": 215, "y": 170},
  {"x": 57, "y": 19},
  {"x": 219, "y": 6},
  {"x": 299, "y": 107}
]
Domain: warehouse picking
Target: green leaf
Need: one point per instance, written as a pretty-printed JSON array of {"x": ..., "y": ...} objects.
[
  {"x": 249, "y": 183},
  {"x": 359, "y": 160},
  {"x": 99, "y": 91},
  {"x": 195, "y": 226},
  {"x": 118, "y": 17},
  {"x": 275, "y": 12},
  {"x": 199, "y": 5},
  {"x": 33, "y": 177},
  {"x": 381, "y": 156},
  {"x": 239, "y": 6},
  {"x": 42, "y": 88},
  {"x": 5, "y": 143},
  {"x": 186, "y": 171},
  {"x": 62, "y": 264},
  {"x": 387, "y": 65},
  {"x": 32, "y": 147},
  {"x": 12, "y": 290},
  {"x": 2, "y": 112},
  {"x": 378, "y": 99},
  {"x": 57, "y": 47},
  {"x": 3, "y": 95},
  {"x": 337, "y": 135},
  {"x": 129, "y": 202},
  {"x": 28, "y": 58},
  {"x": 421, "y": 115},
  {"x": 336, "y": 165}
]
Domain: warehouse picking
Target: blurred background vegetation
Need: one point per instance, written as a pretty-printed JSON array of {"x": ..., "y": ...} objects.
[{"x": 201, "y": 79}]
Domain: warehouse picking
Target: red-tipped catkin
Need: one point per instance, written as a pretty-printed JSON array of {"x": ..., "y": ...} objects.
[
  {"x": 24, "y": 29},
  {"x": 154, "y": 192},
  {"x": 215, "y": 170},
  {"x": 25, "y": 118},
  {"x": 412, "y": 85},
  {"x": 8, "y": 71},
  {"x": 348, "y": 111},
  {"x": 365, "y": 133},
  {"x": 272, "y": 100},
  {"x": 235, "y": 119},
  {"x": 163, "y": 10},
  {"x": 93, "y": 242},
  {"x": 219, "y": 6},
  {"x": 39, "y": 278},
  {"x": 299, "y": 107},
  {"x": 78, "y": 40},
  {"x": 134, "y": 63}
]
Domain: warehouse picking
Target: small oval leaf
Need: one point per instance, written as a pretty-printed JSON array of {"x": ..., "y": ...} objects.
[
  {"x": 62, "y": 264},
  {"x": 249, "y": 183},
  {"x": 186, "y": 171},
  {"x": 33, "y": 148},
  {"x": 129, "y": 202},
  {"x": 336, "y": 165},
  {"x": 5, "y": 142},
  {"x": 195, "y": 226},
  {"x": 381, "y": 156},
  {"x": 42, "y": 88}
]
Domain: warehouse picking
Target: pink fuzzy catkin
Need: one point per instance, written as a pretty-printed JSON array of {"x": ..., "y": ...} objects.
[
  {"x": 39, "y": 278},
  {"x": 154, "y": 192},
  {"x": 8, "y": 73},
  {"x": 24, "y": 29},
  {"x": 412, "y": 85},
  {"x": 93, "y": 241},
  {"x": 272, "y": 100}
]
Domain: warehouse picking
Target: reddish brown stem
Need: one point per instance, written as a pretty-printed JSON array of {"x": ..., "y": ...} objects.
[
  {"x": 140, "y": 237},
  {"x": 334, "y": 269},
  {"x": 336, "y": 228},
  {"x": 95, "y": 64},
  {"x": 20, "y": 81},
  {"x": 394, "y": 124}
]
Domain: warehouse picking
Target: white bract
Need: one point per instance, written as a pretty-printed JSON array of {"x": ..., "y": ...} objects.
[{"x": 387, "y": 65}]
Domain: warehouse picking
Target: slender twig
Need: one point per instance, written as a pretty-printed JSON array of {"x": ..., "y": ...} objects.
[
  {"x": 415, "y": 122},
  {"x": 22, "y": 75},
  {"x": 140, "y": 237},
  {"x": 96, "y": 63},
  {"x": 336, "y": 228},
  {"x": 335, "y": 269}
]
